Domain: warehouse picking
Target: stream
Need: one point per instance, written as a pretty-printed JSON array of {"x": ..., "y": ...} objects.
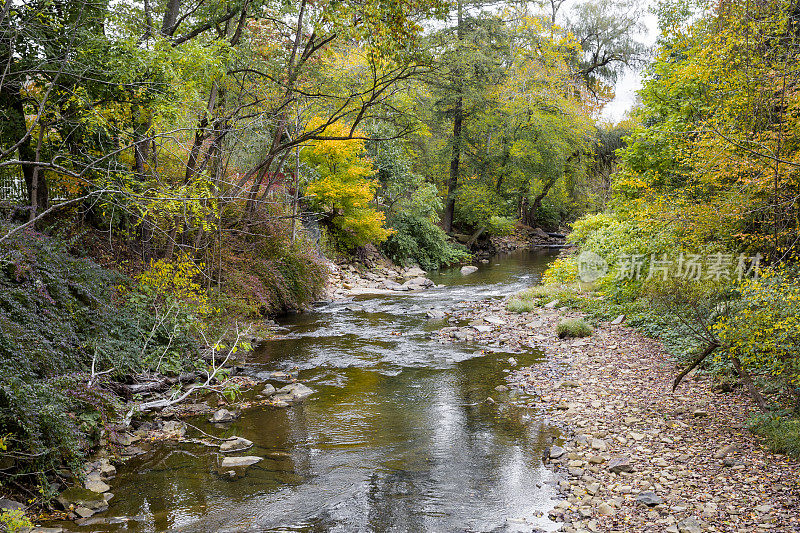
[{"x": 398, "y": 436}]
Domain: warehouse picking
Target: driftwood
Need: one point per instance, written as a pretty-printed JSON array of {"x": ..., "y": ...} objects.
[
  {"x": 713, "y": 345},
  {"x": 743, "y": 375},
  {"x": 751, "y": 387},
  {"x": 161, "y": 383}
]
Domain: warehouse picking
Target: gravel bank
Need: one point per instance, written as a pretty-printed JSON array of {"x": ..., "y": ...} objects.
[{"x": 636, "y": 457}]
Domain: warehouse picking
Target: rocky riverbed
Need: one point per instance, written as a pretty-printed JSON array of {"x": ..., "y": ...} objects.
[{"x": 634, "y": 456}]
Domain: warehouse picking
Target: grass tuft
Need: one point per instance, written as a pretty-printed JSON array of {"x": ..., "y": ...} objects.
[
  {"x": 516, "y": 305},
  {"x": 574, "y": 327}
]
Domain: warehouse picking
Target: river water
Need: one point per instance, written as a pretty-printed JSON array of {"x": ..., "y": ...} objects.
[{"x": 397, "y": 438}]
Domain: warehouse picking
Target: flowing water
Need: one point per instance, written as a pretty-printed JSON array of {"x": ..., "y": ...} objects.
[{"x": 398, "y": 436}]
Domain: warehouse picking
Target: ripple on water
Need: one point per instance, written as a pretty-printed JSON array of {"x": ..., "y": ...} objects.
[{"x": 398, "y": 436}]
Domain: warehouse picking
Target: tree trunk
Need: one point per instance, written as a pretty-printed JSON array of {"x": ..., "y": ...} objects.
[
  {"x": 452, "y": 182},
  {"x": 170, "y": 17},
  {"x": 529, "y": 213},
  {"x": 751, "y": 387}
]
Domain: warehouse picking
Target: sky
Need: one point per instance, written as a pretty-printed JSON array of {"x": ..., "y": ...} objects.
[{"x": 631, "y": 81}]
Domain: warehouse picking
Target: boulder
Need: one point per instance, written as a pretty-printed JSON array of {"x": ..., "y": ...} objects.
[
  {"x": 123, "y": 439},
  {"x": 241, "y": 461},
  {"x": 495, "y": 320},
  {"x": 556, "y": 452},
  {"x": 79, "y": 497},
  {"x": 468, "y": 269},
  {"x": 222, "y": 416},
  {"x": 435, "y": 314},
  {"x": 392, "y": 285},
  {"x": 540, "y": 233},
  {"x": 551, "y": 304},
  {"x": 235, "y": 444},
  {"x": 414, "y": 272},
  {"x": 482, "y": 328},
  {"x": 95, "y": 485},
  {"x": 10, "y": 505},
  {"x": 618, "y": 320},
  {"x": 174, "y": 428},
  {"x": 267, "y": 391},
  {"x": 294, "y": 392}
]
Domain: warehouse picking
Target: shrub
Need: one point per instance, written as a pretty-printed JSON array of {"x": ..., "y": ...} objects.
[
  {"x": 516, "y": 305},
  {"x": 264, "y": 273},
  {"x": 14, "y": 521},
  {"x": 573, "y": 327},
  {"x": 561, "y": 270},
  {"x": 762, "y": 329},
  {"x": 499, "y": 226},
  {"x": 418, "y": 239}
]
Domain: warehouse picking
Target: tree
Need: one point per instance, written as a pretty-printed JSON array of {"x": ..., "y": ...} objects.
[{"x": 343, "y": 187}]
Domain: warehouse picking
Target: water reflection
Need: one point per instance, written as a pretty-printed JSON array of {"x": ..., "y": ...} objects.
[{"x": 398, "y": 437}]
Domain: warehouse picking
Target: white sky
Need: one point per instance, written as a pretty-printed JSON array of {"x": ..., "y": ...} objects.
[{"x": 631, "y": 81}]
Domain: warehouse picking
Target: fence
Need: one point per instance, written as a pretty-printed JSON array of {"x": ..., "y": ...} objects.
[{"x": 12, "y": 188}]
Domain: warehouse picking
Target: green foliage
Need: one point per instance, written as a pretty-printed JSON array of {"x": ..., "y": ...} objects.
[
  {"x": 780, "y": 431},
  {"x": 762, "y": 329},
  {"x": 420, "y": 240},
  {"x": 573, "y": 327},
  {"x": 499, "y": 226},
  {"x": 14, "y": 521},
  {"x": 563, "y": 270},
  {"x": 274, "y": 276},
  {"x": 59, "y": 317}
]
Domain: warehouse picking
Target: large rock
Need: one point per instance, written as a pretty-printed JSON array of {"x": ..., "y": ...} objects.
[
  {"x": 414, "y": 272},
  {"x": 435, "y": 314},
  {"x": 496, "y": 320},
  {"x": 540, "y": 233},
  {"x": 294, "y": 392},
  {"x": 417, "y": 283},
  {"x": 235, "y": 444},
  {"x": 392, "y": 285},
  {"x": 649, "y": 498},
  {"x": 222, "y": 416},
  {"x": 620, "y": 464},
  {"x": 95, "y": 485},
  {"x": 267, "y": 391},
  {"x": 241, "y": 461},
  {"x": 174, "y": 428},
  {"x": 556, "y": 452},
  {"x": 690, "y": 525},
  {"x": 79, "y": 497},
  {"x": 123, "y": 439},
  {"x": 10, "y": 505},
  {"x": 468, "y": 269}
]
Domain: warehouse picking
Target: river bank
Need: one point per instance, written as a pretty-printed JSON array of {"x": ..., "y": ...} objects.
[{"x": 634, "y": 456}]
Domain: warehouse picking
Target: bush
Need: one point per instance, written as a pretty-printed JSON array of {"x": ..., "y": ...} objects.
[
  {"x": 516, "y": 305},
  {"x": 14, "y": 521},
  {"x": 561, "y": 270},
  {"x": 762, "y": 328},
  {"x": 264, "y": 273},
  {"x": 418, "y": 239},
  {"x": 781, "y": 432},
  {"x": 573, "y": 327},
  {"x": 499, "y": 226}
]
